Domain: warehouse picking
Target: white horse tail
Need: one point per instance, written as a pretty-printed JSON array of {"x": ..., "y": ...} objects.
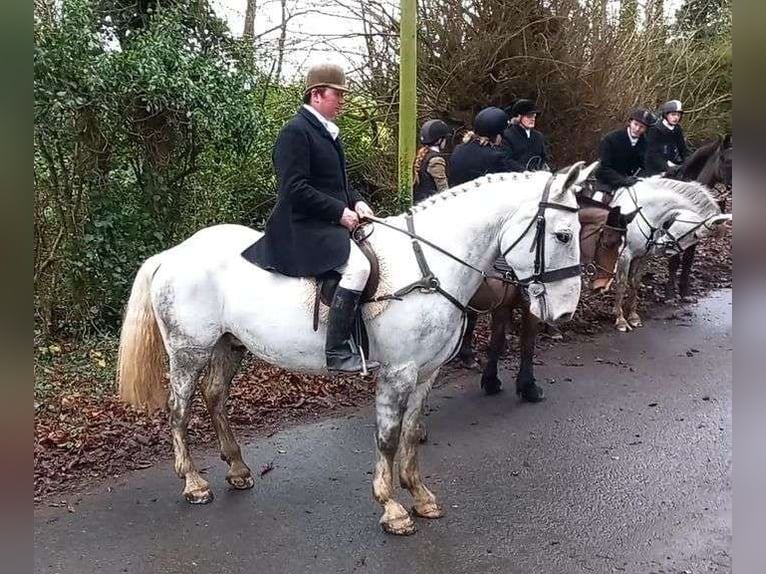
[{"x": 141, "y": 361}]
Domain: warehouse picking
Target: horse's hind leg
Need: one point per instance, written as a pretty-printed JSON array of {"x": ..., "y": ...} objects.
[
  {"x": 393, "y": 389},
  {"x": 224, "y": 363},
  {"x": 185, "y": 367},
  {"x": 425, "y": 503},
  {"x": 686, "y": 267}
]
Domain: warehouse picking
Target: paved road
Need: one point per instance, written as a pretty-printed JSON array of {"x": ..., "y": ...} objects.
[{"x": 625, "y": 468}]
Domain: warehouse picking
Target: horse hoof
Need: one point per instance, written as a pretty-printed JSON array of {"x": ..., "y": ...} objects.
[
  {"x": 623, "y": 326},
  {"x": 199, "y": 496},
  {"x": 531, "y": 393},
  {"x": 491, "y": 385},
  {"x": 401, "y": 526},
  {"x": 429, "y": 510},
  {"x": 421, "y": 432},
  {"x": 240, "y": 482},
  {"x": 635, "y": 322}
]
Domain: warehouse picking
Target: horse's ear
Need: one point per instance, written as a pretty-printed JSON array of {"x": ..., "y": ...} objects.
[
  {"x": 571, "y": 175},
  {"x": 586, "y": 172},
  {"x": 719, "y": 219},
  {"x": 628, "y": 217}
]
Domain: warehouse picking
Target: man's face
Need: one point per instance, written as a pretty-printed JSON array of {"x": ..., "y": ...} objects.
[
  {"x": 673, "y": 118},
  {"x": 636, "y": 128},
  {"x": 528, "y": 121},
  {"x": 328, "y": 102}
]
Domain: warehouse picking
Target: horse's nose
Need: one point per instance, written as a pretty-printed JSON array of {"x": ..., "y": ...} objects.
[{"x": 564, "y": 317}]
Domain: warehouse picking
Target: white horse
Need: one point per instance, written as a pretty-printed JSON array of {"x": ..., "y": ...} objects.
[
  {"x": 207, "y": 305},
  {"x": 672, "y": 215}
]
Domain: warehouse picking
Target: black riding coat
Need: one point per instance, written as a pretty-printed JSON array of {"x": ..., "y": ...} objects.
[
  {"x": 471, "y": 160},
  {"x": 529, "y": 152},
  {"x": 303, "y": 235},
  {"x": 619, "y": 159},
  {"x": 664, "y": 145}
]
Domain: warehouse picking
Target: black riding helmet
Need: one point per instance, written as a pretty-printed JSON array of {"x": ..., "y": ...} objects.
[
  {"x": 643, "y": 116},
  {"x": 490, "y": 122},
  {"x": 432, "y": 131}
]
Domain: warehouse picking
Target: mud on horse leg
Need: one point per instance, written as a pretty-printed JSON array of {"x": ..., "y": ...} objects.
[
  {"x": 393, "y": 390},
  {"x": 224, "y": 363},
  {"x": 425, "y": 503},
  {"x": 185, "y": 368}
]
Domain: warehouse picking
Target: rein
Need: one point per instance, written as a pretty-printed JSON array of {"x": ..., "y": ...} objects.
[{"x": 534, "y": 284}]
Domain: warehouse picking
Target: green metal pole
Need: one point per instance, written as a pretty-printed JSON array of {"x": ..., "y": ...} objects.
[{"x": 408, "y": 64}]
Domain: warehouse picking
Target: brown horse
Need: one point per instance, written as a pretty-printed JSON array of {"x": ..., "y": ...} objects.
[
  {"x": 601, "y": 236},
  {"x": 710, "y": 164}
]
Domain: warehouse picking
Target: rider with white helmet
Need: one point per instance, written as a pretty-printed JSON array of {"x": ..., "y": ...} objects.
[{"x": 665, "y": 141}]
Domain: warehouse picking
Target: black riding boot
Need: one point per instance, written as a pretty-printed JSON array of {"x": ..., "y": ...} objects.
[{"x": 342, "y": 355}]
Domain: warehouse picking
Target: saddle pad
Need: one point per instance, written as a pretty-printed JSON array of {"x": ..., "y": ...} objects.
[{"x": 369, "y": 310}]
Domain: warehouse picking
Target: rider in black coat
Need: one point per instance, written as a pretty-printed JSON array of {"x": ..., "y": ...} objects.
[
  {"x": 480, "y": 153},
  {"x": 308, "y": 232},
  {"x": 524, "y": 144},
  {"x": 621, "y": 152},
  {"x": 665, "y": 141}
]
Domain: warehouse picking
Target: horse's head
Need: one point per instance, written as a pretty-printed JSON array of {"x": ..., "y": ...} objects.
[
  {"x": 549, "y": 229},
  {"x": 684, "y": 228},
  {"x": 601, "y": 239}
]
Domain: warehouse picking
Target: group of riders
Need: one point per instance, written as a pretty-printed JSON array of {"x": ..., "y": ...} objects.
[{"x": 308, "y": 233}]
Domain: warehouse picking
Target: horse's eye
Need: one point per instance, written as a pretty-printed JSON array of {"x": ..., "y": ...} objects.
[{"x": 564, "y": 236}]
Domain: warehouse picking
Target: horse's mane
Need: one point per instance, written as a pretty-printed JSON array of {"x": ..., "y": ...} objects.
[
  {"x": 468, "y": 187},
  {"x": 695, "y": 193},
  {"x": 692, "y": 166}
]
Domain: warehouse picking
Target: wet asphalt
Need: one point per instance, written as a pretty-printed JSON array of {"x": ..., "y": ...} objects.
[{"x": 626, "y": 467}]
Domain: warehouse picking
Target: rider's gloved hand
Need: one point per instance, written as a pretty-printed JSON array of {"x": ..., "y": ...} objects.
[
  {"x": 363, "y": 210},
  {"x": 349, "y": 219}
]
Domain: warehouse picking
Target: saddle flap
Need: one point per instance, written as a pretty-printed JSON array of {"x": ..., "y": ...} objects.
[{"x": 328, "y": 282}]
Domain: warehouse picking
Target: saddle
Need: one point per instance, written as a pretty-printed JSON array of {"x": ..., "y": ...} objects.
[{"x": 327, "y": 283}]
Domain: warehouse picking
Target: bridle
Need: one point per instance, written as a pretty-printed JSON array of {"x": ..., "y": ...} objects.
[
  {"x": 656, "y": 232},
  {"x": 592, "y": 268},
  {"x": 534, "y": 284}
]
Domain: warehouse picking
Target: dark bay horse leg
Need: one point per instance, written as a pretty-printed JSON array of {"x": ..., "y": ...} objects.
[
  {"x": 670, "y": 287},
  {"x": 500, "y": 318},
  {"x": 686, "y": 267},
  {"x": 466, "y": 357},
  {"x": 526, "y": 387}
]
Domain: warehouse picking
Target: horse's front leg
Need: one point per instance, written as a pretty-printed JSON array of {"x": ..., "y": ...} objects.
[
  {"x": 620, "y": 284},
  {"x": 185, "y": 367},
  {"x": 500, "y": 318},
  {"x": 425, "y": 503},
  {"x": 526, "y": 387},
  {"x": 226, "y": 359},
  {"x": 393, "y": 390},
  {"x": 687, "y": 261},
  {"x": 635, "y": 276},
  {"x": 466, "y": 356},
  {"x": 670, "y": 287}
]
